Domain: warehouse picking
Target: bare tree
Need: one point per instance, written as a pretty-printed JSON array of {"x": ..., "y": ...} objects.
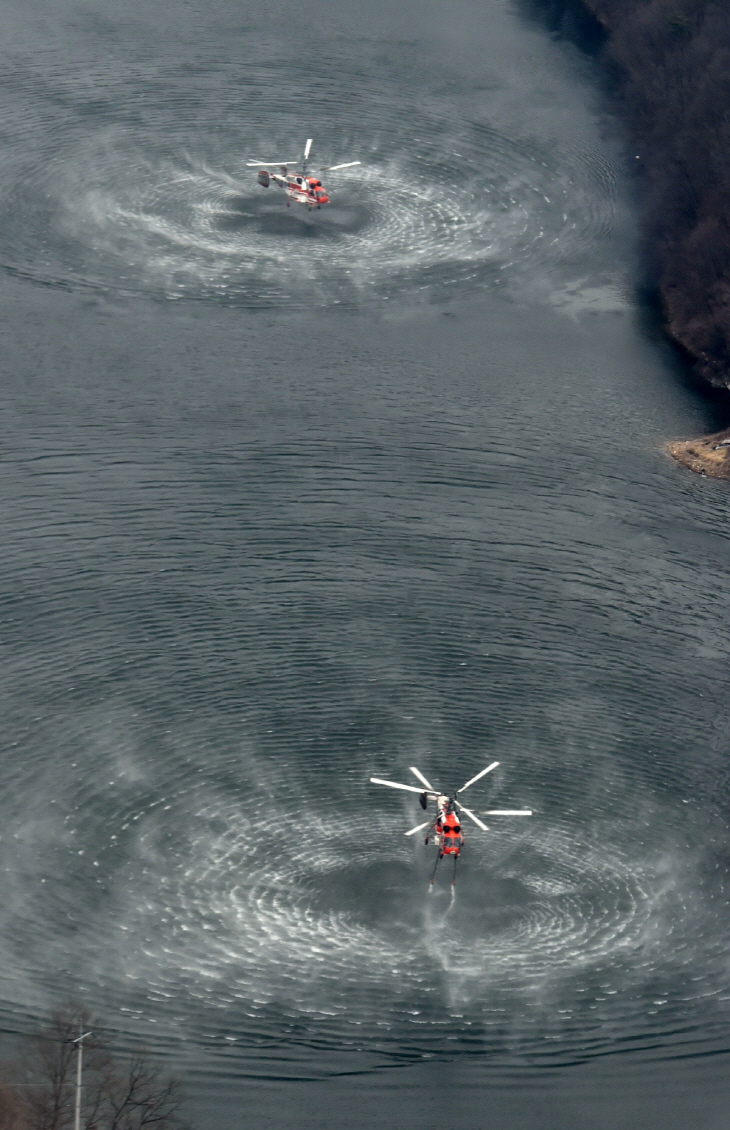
[
  {"x": 139, "y": 1094},
  {"x": 119, "y": 1092}
]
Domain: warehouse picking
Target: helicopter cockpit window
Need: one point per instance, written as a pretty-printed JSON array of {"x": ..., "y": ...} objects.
[{"x": 299, "y": 180}]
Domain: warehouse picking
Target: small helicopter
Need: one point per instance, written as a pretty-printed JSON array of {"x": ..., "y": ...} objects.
[
  {"x": 298, "y": 186},
  {"x": 445, "y": 828}
]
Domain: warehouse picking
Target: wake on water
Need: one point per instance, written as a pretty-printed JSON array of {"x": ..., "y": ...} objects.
[
  {"x": 425, "y": 223},
  {"x": 566, "y": 923}
]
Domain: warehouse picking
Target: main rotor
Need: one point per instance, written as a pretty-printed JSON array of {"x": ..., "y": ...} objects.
[
  {"x": 449, "y": 802},
  {"x": 289, "y": 167}
]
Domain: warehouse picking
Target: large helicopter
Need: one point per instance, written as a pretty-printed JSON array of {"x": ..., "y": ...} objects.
[
  {"x": 445, "y": 828},
  {"x": 298, "y": 185}
]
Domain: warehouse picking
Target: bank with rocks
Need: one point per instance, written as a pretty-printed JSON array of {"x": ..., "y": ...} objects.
[{"x": 670, "y": 63}]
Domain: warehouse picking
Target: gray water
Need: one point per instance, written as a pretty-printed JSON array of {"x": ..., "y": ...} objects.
[{"x": 290, "y": 500}]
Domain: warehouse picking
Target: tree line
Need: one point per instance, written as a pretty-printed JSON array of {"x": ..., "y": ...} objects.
[
  {"x": 670, "y": 61},
  {"x": 119, "y": 1092}
]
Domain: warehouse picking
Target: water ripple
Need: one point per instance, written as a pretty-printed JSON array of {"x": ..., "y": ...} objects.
[{"x": 445, "y": 201}]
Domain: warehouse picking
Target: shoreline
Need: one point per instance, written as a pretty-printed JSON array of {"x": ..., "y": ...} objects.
[
  {"x": 666, "y": 63},
  {"x": 708, "y": 455}
]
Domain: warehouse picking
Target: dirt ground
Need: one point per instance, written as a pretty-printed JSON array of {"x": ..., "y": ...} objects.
[{"x": 709, "y": 455}]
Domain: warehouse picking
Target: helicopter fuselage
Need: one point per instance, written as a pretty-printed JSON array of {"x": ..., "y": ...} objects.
[
  {"x": 298, "y": 185},
  {"x": 302, "y": 189},
  {"x": 446, "y": 829}
]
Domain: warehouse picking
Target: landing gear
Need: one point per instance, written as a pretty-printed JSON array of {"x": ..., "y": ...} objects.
[{"x": 439, "y": 857}]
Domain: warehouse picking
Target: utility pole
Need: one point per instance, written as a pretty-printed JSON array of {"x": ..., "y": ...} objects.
[{"x": 79, "y": 1041}]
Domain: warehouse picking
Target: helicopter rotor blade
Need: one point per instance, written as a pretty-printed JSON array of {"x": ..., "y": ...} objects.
[
  {"x": 476, "y": 819},
  {"x": 307, "y": 147},
  {"x": 507, "y": 812},
  {"x": 395, "y": 785},
  {"x": 478, "y": 776},
  {"x": 417, "y": 773},
  {"x": 332, "y": 168},
  {"x": 267, "y": 164},
  {"x": 418, "y": 828}
]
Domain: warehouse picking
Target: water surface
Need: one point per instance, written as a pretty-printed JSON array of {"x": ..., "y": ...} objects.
[{"x": 290, "y": 500}]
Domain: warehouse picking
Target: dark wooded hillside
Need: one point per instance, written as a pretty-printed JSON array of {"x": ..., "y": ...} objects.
[{"x": 672, "y": 62}]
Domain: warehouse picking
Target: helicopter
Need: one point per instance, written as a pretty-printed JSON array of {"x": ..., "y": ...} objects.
[
  {"x": 445, "y": 828},
  {"x": 300, "y": 187}
]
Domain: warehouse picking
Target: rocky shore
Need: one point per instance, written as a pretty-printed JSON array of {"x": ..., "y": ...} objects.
[
  {"x": 670, "y": 63},
  {"x": 709, "y": 455}
]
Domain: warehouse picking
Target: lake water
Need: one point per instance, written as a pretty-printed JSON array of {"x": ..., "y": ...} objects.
[{"x": 293, "y": 499}]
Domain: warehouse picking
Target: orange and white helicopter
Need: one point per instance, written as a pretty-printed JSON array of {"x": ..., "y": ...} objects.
[
  {"x": 445, "y": 828},
  {"x": 300, "y": 187}
]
